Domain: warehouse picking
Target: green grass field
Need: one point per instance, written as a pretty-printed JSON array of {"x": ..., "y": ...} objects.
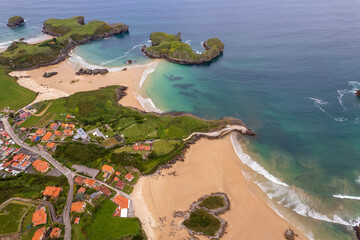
[
  {"x": 76, "y": 233},
  {"x": 12, "y": 95},
  {"x": 212, "y": 202},
  {"x": 11, "y": 216},
  {"x": 28, "y": 220},
  {"x": 202, "y": 221},
  {"x": 105, "y": 226}
]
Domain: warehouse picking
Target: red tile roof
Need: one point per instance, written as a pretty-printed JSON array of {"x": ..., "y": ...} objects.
[
  {"x": 104, "y": 190},
  {"x": 77, "y": 220},
  {"x": 129, "y": 177},
  {"x": 41, "y": 166},
  {"x": 39, "y": 217},
  {"x": 78, "y": 180},
  {"x": 78, "y": 206},
  {"x": 107, "y": 168},
  {"x": 47, "y": 136},
  {"x": 121, "y": 201},
  {"x": 119, "y": 184},
  {"x": 55, "y": 232},
  {"x": 39, "y": 234},
  {"x": 53, "y": 192}
]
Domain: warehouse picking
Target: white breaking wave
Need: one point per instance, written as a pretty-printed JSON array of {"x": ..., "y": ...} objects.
[
  {"x": 150, "y": 69},
  {"x": 319, "y": 103},
  {"x": 281, "y": 192},
  {"x": 78, "y": 61},
  {"x": 346, "y": 197},
  {"x": 246, "y": 159},
  {"x": 147, "y": 104},
  {"x": 352, "y": 86},
  {"x": 40, "y": 38}
]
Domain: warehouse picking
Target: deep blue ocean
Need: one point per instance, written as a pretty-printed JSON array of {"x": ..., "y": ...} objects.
[{"x": 289, "y": 70}]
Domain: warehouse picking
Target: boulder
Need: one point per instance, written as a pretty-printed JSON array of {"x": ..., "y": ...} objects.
[
  {"x": 49, "y": 74},
  {"x": 101, "y": 71},
  {"x": 289, "y": 234},
  {"x": 82, "y": 71},
  {"x": 15, "y": 21},
  {"x": 130, "y": 61},
  {"x": 357, "y": 92},
  {"x": 124, "y": 69}
]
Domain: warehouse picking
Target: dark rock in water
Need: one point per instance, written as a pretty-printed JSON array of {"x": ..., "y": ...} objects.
[
  {"x": 124, "y": 69},
  {"x": 357, "y": 92},
  {"x": 130, "y": 61},
  {"x": 357, "y": 231},
  {"x": 21, "y": 39},
  {"x": 49, "y": 74},
  {"x": 289, "y": 234},
  {"x": 15, "y": 21}
]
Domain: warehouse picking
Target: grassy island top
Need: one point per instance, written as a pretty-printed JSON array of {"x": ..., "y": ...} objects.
[
  {"x": 203, "y": 222},
  {"x": 170, "y": 47},
  {"x": 77, "y": 30},
  {"x": 212, "y": 202},
  {"x": 15, "y": 20},
  {"x": 70, "y": 32}
]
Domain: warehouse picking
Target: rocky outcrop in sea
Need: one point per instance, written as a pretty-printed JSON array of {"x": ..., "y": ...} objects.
[{"x": 15, "y": 21}]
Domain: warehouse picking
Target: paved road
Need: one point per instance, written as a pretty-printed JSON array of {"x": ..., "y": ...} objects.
[
  {"x": 64, "y": 170},
  {"x": 49, "y": 205},
  {"x": 224, "y": 131}
]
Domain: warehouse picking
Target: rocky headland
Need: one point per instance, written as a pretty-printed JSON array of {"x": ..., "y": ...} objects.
[
  {"x": 15, "y": 21},
  {"x": 171, "y": 48},
  {"x": 69, "y": 33}
]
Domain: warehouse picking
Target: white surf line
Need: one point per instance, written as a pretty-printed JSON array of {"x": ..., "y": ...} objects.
[{"x": 346, "y": 197}]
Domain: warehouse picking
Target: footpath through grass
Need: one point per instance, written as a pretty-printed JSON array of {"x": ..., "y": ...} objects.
[
  {"x": 12, "y": 95},
  {"x": 11, "y": 216},
  {"x": 105, "y": 226}
]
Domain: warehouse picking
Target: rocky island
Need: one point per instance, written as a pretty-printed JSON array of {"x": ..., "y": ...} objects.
[
  {"x": 15, "y": 21},
  {"x": 70, "y": 33},
  {"x": 171, "y": 48}
]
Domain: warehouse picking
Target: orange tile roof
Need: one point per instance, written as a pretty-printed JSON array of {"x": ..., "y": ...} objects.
[
  {"x": 71, "y": 125},
  {"x": 68, "y": 116},
  {"x": 81, "y": 190},
  {"x": 25, "y": 163},
  {"x": 47, "y": 136},
  {"x": 39, "y": 217},
  {"x": 53, "y": 125},
  {"x": 68, "y": 132},
  {"x": 89, "y": 182},
  {"x": 14, "y": 164},
  {"x": 58, "y": 133},
  {"x": 79, "y": 180},
  {"x": 77, "y": 206},
  {"x": 50, "y": 145},
  {"x": 121, "y": 201},
  {"x": 64, "y": 125},
  {"x": 116, "y": 179},
  {"x": 52, "y": 191},
  {"x": 41, "y": 166},
  {"x": 117, "y": 173},
  {"x": 77, "y": 220},
  {"x": 40, "y": 132},
  {"x": 55, "y": 233},
  {"x": 107, "y": 168},
  {"x": 39, "y": 234},
  {"x": 129, "y": 177}
]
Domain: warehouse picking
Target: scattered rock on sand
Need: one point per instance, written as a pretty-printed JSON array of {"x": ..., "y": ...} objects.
[
  {"x": 124, "y": 69},
  {"x": 289, "y": 234},
  {"x": 88, "y": 71},
  {"x": 49, "y": 74}
]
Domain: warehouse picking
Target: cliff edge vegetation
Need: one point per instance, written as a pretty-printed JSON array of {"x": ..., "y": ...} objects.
[
  {"x": 15, "y": 21},
  {"x": 171, "y": 48},
  {"x": 69, "y": 33}
]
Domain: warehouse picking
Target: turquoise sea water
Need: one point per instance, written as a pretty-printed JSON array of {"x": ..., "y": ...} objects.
[{"x": 289, "y": 71}]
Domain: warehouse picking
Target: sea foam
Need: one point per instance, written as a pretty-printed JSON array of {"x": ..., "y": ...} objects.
[{"x": 281, "y": 192}]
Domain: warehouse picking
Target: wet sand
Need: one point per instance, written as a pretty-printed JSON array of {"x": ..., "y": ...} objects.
[{"x": 210, "y": 166}]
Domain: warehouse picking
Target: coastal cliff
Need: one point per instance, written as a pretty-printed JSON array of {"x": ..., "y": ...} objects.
[
  {"x": 171, "y": 48},
  {"x": 69, "y": 33}
]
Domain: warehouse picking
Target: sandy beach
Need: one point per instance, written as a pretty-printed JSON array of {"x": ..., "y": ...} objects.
[
  {"x": 66, "y": 82},
  {"x": 209, "y": 166}
]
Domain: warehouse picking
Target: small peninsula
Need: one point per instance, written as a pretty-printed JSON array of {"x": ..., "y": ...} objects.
[
  {"x": 69, "y": 33},
  {"x": 15, "y": 21},
  {"x": 170, "y": 47}
]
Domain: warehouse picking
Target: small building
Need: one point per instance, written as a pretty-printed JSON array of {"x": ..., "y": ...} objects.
[
  {"x": 68, "y": 116},
  {"x": 107, "y": 170},
  {"x": 39, "y": 234},
  {"x": 52, "y": 192},
  {"x": 119, "y": 184},
  {"x": 129, "y": 177},
  {"x": 123, "y": 206},
  {"x": 55, "y": 232},
  {"x": 58, "y": 133},
  {"x": 39, "y": 217},
  {"x": 68, "y": 133},
  {"x": 41, "y": 166},
  {"x": 140, "y": 147},
  {"x": 78, "y": 206},
  {"x": 47, "y": 137},
  {"x": 117, "y": 173},
  {"x": 104, "y": 190},
  {"x": 81, "y": 190},
  {"x": 89, "y": 182},
  {"x": 54, "y": 126},
  {"x": 64, "y": 125},
  {"x": 77, "y": 220},
  {"x": 78, "y": 180},
  {"x": 95, "y": 195},
  {"x": 50, "y": 145},
  {"x": 80, "y": 133},
  {"x": 40, "y": 132}
]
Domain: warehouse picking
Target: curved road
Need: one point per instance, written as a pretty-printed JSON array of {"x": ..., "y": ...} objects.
[{"x": 64, "y": 170}]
